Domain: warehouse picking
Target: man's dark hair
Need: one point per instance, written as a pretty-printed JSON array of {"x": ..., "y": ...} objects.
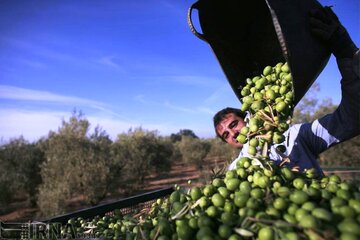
[{"x": 220, "y": 115}]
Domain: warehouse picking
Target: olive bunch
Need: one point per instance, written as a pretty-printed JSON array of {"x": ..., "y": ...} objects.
[
  {"x": 269, "y": 98},
  {"x": 257, "y": 200}
]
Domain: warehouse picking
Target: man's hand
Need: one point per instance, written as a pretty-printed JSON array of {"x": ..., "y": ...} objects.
[{"x": 326, "y": 26}]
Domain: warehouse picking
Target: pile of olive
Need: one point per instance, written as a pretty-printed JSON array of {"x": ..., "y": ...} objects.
[{"x": 257, "y": 200}]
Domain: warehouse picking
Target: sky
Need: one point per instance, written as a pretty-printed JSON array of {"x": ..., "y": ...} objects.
[{"x": 123, "y": 64}]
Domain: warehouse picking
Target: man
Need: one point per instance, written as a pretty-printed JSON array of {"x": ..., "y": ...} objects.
[{"x": 304, "y": 142}]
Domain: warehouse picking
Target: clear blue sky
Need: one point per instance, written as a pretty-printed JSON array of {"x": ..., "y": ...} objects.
[{"x": 123, "y": 63}]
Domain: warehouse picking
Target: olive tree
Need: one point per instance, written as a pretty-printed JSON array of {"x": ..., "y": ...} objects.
[
  {"x": 175, "y": 137},
  {"x": 20, "y": 169},
  {"x": 142, "y": 151},
  {"x": 220, "y": 150},
  {"x": 193, "y": 150},
  {"x": 77, "y": 164}
]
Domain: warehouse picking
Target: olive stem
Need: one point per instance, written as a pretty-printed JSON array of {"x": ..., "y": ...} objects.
[
  {"x": 264, "y": 136},
  {"x": 284, "y": 161},
  {"x": 142, "y": 234},
  {"x": 181, "y": 212},
  {"x": 271, "y": 112},
  {"x": 197, "y": 203},
  {"x": 265, "y": 149},
  {"x": 267, "y": 117},
  {"x": 156, "y": 234},
  {"x": 255, "y": 133}
]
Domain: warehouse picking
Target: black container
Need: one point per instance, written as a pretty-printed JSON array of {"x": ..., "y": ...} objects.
[
  {"x": 247, "y": 36},
  {"x": 126, "y": 206}
]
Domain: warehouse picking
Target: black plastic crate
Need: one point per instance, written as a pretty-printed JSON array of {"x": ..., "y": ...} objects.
[{"x": 127, "y": 206}]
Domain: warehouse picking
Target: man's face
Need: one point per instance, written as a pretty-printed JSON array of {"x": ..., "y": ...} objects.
[{"x": 229, "y": 128}]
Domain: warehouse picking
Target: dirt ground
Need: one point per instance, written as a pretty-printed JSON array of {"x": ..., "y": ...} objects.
[{"x": 179, "y": 174}]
